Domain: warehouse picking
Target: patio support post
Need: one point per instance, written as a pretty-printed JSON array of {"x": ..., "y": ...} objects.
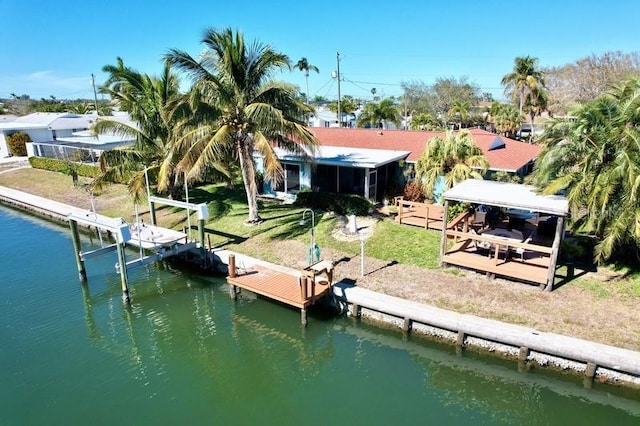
[
  {"x": 443, "y": 239},
  {"x": 555, "y": 248},
  {"x": 366, "y": 183}
]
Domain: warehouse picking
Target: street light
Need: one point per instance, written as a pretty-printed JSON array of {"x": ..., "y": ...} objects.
[{"x": 312, "y": 247}]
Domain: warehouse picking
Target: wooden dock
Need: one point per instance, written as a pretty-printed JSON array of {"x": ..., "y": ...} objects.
[{"x": 299, "y": 291}]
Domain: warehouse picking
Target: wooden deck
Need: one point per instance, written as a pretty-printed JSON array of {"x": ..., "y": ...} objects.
[
  {"x": 300, "y": 291},
  {"x": 428, "y": 216},
  {"x": 534, "y": 268}
]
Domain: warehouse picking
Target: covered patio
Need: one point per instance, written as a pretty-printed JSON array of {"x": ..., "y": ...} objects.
[
  {"x": 365, "y": 172},
  {"x": 511, "y": 232}
]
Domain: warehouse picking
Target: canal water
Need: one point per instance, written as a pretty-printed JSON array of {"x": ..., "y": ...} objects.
[{"x": 183, "y": 352}]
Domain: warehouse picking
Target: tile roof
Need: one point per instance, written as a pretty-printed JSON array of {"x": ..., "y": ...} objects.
[{"x": 511, "y": 157}]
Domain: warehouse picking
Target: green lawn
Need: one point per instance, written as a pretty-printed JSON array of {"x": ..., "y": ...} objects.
[{"x": 228, "y": 210}]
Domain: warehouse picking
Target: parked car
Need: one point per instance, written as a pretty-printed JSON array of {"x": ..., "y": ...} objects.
[{"x": 525, "y": 132}]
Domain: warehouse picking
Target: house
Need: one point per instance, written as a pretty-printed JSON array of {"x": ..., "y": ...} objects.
[
  {"x": 323, "y": 117},
  {"x": 368, "y": 162},
  {"x": 62, "y": 135},
  {"x": 44, "y": 127}
]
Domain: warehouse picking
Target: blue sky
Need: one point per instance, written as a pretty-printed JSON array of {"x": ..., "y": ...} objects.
[{"x": 52, "y": 48}]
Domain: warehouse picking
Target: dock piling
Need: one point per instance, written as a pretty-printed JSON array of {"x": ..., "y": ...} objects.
[
  {"x": 303, "y": 287},
  {"x": 232, "y": 266},
  {"x": 77, "y": 248},
  {"x": 122, "y": 261}
]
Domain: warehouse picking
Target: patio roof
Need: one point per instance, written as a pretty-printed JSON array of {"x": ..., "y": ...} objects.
[
  {"x": 510, "y": 195},
  {"x": 348, "y": 157}
]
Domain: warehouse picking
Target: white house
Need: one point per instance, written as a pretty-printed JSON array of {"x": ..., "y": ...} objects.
[
  {"x": 44, "y": 127},
  {"x": 61, "y": 135}
]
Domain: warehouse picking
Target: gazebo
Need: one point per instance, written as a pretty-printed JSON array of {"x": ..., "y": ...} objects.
[{"x": 519, "y": 238}]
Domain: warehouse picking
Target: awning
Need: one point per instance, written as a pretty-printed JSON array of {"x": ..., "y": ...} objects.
[{"x": 511, "y": 195}]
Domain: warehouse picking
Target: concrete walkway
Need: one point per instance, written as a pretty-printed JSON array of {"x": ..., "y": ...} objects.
[{"x": 45, "y": 206}]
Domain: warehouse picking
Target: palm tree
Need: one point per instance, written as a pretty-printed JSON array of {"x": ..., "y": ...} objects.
[
  {"x": 523, "y": 79},
  {"x": 456, "y": 158},
  {"x": 304, "y": 65},
  {"x": 461, "y": 109},
  {"x": 240, "y": 110},
  {"x": 155, "y": 107},
  {"x": 375, "y": 114},
  {"x": 595, "y": 158},
  {"x": 423, "y": 121},
  {"x": 535, "y": 104},
  {"x": 348, "y": 106},
  {"x": 505, "y": 118}
]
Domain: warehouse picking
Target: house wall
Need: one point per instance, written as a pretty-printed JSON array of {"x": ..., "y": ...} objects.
[
  {"x": 39, "y": 135},
  {"x": 4, "y": 149},
  {"x": 305, "y": 180},
  {"x": 36, "y": 135}
]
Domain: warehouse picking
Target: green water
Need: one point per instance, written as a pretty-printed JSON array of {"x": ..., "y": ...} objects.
[{"x": 184, "y": 353}]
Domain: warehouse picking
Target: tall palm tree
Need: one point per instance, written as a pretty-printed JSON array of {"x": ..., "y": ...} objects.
[
  {"x": 595, "y": 158},
  {"x": 241, "y": 110},
  {"x": 461, "y": 109},
  {"x": 155, "y": 108},
  {"x": 456, "y": 158},
  {"x": 304, "y": 66},
  {"x": 535, "y": 104},
  {"x": 524, "y": 78},
  {"x": 375, "y": 114}
]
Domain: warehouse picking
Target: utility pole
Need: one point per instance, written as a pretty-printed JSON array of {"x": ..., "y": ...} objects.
[
  {"x": 95, "y": 95},
  {"x": 339, "y": 111}
]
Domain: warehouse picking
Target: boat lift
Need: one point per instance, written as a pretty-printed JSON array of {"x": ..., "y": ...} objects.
[{"x": 162, "y": 242}]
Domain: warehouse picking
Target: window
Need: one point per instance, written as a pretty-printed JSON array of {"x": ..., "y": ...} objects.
[{"x": 291, "y": 181}]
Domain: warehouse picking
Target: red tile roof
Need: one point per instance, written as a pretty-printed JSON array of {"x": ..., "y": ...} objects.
[{"x": 512, "y": 157}]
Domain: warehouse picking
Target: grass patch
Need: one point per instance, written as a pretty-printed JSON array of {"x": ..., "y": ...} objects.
[{"x": 405, "y": 244}]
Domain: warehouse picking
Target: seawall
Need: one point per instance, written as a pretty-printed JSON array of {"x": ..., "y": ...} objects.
[{"x": 593, "y": 360}]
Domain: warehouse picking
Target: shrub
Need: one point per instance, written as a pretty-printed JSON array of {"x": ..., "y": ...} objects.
[
  {"x": 455, "y": 209},
  {"x": 61, "y": 166},
  {"x": 17, "y": 143},
  {"x": 414, "y": 191},
  {"x": 338, "y": 203}
]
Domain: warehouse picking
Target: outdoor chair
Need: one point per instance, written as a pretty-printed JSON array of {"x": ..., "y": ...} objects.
[
  {"x": 479, "y": 220},
  {"x": 521, "y": 250},
  {"x": 480, "y": 246}
]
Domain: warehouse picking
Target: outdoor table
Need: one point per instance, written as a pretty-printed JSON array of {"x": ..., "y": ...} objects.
[{"x": 506, "y": 235}]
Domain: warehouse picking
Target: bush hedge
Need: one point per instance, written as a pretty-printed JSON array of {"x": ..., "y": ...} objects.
[
  {"x": 17, "y": 143},
  {"x": 61, "y": 166},
  {"x": 339, "y": 203}
]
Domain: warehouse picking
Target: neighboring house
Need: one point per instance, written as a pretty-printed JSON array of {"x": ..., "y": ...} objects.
[
  {"x": 324, "y": 117},
  {"x": 44, "y": 127},
  {"x": 60, "y": 135},
  {"x": 368, "y": 162}
]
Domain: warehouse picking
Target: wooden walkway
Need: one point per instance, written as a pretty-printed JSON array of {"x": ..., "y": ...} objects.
[{"x": 299, "y": 291}]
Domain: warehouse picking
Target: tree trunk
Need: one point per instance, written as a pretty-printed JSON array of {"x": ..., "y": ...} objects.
[{"x": 245, "y": 154}]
